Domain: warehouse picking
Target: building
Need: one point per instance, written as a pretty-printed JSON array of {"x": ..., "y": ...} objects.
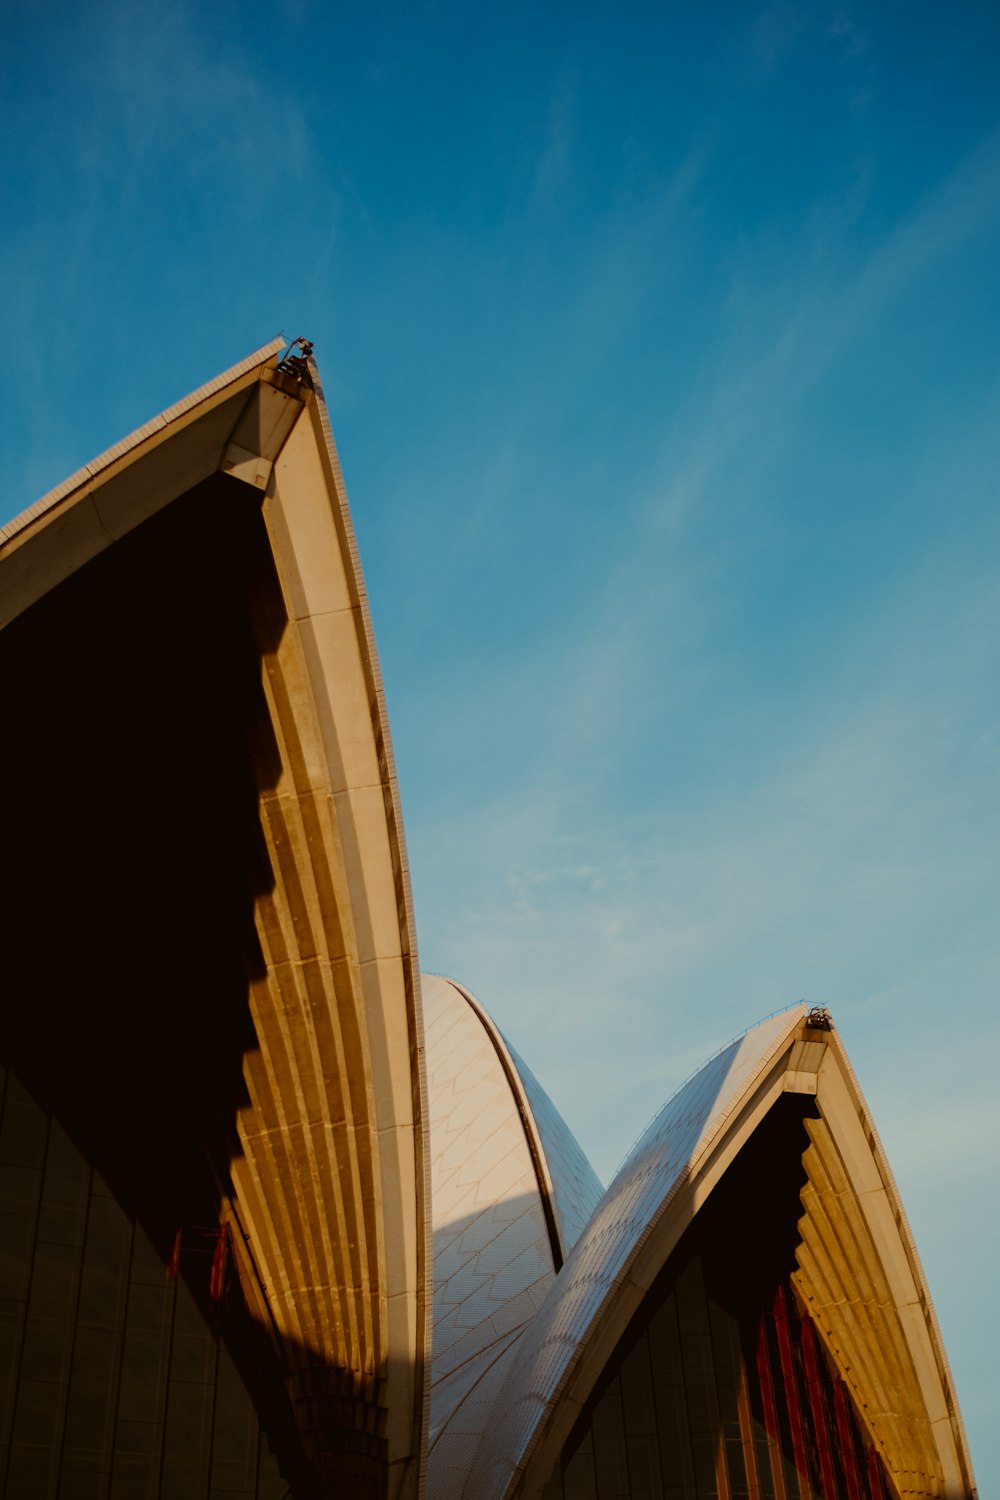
[{"x": 278, "y": 1218}]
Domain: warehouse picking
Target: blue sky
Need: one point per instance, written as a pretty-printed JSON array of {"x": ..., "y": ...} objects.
[{"x": 661, "y": 344}]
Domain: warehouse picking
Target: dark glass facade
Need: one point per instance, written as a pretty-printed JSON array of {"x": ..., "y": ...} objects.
[
  {"x": 721, "y": 1388},
  {"x": 113, "y": 1384}
]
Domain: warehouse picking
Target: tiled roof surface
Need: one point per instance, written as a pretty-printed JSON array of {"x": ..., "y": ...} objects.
[{"x": 599, "y": 1262}]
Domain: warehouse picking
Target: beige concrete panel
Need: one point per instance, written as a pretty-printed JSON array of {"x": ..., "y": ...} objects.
[
  {"x": 339, "y": 854},
  {"x": 332, "y": 1164},
  {"x": 368, "y": 856},
  {"x": 397, "y": 1174},
  {"x": 806, "y": 1056},
  {"x": 312, "y": 1186},
  {"x": 296, "y": 860},
  {"x": 331, "y": 643},
  {"x": 245, "y": 466},
  {"x": 837, "y": 1216},
  {"x": 855, "y": 1151},
  {"x": 383, "y": 986},
  {"x": 404, "y": 1415},
  {"x": 915, "y": 1330},
  {"x": 290, "y": 691},
  {"x": 190, "y": 408},
  {"x": 332, "y": 1315},
  {"x": 923, "y": 1380},
  {"x": 257, "y": 1178},
  {"x": 319, "y": 895},
  {"x": 308, "y": 991},
  {"x": 853, "y": 1144},
  {"x": 126, "y": 492},
  {"x": 261, "y": 431},
  {"x": 959, "y": 1443},
  {"x": 266, "y": 1216},
  {"x": 835, "y": 1323},
  {"x": 36, "y": 563},
  {"x": 951, "y": 1461},
  {"x": 150, "y": 479},
  {"x": 404, "y": 915},
  {"x": 858, "y": 1342},
  {"x": 314, "y": 573},
  {"x": 339, "y": 1157}
]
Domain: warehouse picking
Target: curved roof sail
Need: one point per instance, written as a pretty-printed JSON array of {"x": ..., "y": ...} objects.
[
  {"x": 856, "y": 1269},
  {"x": 497, "y": 1235},
  {"x": 236, "y": 492}
]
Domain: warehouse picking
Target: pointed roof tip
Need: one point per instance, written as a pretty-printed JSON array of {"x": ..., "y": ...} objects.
[
  {"x": 125, "y": 445},
  {"x": 662, "y": 1184},
  {"x": 301, "y": 365}
]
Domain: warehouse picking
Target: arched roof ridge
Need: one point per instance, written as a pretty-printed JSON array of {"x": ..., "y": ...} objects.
[
  {"x": 885, "y": 1345},
  {"x": 493, "y": 1257},
  {"x": 329, "y": 1179},
  {"x": 601, "y": 1268},
  {"x": 522, "y": 1103}
]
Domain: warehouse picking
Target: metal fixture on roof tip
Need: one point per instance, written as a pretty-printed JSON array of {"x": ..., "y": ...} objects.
[
  {"x": 297, "y": 364},
  {"x": 819, "y": 1018}
]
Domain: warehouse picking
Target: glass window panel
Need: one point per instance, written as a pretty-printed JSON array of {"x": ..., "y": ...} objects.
[
  {"x": 192, "y": 1358},
  {"x": 17, "y": 1225},
  {"x": 105, "y": 1258},
  {"x": 189, "y": 1422},
  {"x": 676, "y": 1459},
  {"x": 46, "y": 1351},
  {"x": 610, "y": 1461},
  {"x": 149, "y": 1307},
  {"x": 643, "y": 1466},
  {"x": 131, "y": 1477},
  {"x": 81, "y": 1484},
  {"x": 554, "y": 1487},
  {"x": 181, "y": 1479},
  {"x": 640, "y": 1423},
  {"x": 118, "y": 1372},
  {"x": 67, "y": 1177},
  {"x": 147, "y": 1266},
  {"x": 10, "y": 1343},
  {"x": 139, "y": 1439},
  {"x": 24, "y": 1129},
  {"x": 579, "y": 1478},
  {"x": 637, "y": 1390},
  {"x": 232, "y": 1479},
  {"x": 53, "y": 1281},
  {"x": 235, "y": 1431},
  {"x": 92, "y": 1390},
  {"x": 62, "y": 1226},
  {"x": 271, "y": 1483},
  {"x": 38, "y": 1414},
  {"x": 141, "y": 1396},
  {"x": 20, "y": 1183},
  {"x": 30, "y": 1474}
]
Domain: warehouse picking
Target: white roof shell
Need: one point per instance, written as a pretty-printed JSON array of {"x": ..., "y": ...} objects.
[
  {"x": 857, "y": 1269},
  {"x": 510, "y": 1189}
]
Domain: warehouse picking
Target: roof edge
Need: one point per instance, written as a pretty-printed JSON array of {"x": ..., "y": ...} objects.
[
  {"x": 127, "y": 444},
  {"x": 539, "y": 1162}
]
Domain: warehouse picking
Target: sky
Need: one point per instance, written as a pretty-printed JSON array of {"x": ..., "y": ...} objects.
[{"x": 661, "y": 349}]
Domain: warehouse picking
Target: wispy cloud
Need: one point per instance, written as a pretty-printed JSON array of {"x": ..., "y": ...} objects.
[
  {"x": 843, "y": 864},
  {"x": 554, "y": 161}
]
